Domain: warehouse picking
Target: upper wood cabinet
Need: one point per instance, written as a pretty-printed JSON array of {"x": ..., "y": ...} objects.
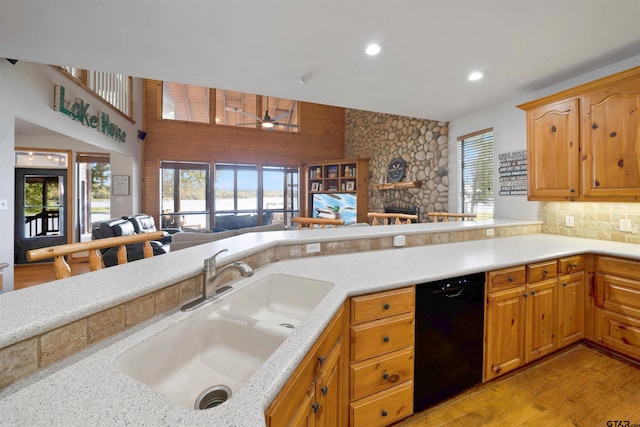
[
  {"x": 553, "y": 135},
  {"x": 584, "y": 143}
]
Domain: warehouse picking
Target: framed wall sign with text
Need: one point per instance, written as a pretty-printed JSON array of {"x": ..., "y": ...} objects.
[{"x": 120, "y": 185}]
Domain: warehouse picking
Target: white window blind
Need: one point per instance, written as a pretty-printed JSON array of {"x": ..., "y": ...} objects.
[{"x": 475, "y": 174}]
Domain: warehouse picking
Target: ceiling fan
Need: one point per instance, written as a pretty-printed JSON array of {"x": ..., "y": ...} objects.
[{"x": 268, "y": 122}]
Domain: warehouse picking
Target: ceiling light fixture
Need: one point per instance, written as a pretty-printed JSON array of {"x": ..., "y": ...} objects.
[
  {"x": 373, "y": 49},
  {"x": 474, "y": 76}
]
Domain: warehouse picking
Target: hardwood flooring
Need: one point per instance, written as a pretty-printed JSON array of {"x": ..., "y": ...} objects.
[
  {"x": 28, "y": 275},
  {"x": 580, "y": 386}
]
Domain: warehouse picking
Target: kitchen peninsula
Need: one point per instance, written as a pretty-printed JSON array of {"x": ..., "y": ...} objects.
[{"x": 86, "y": 388}]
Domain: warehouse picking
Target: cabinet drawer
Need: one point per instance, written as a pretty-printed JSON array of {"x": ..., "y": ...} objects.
[
  {"x": 381, "y": 373},
  {"x": 381, "y": 336},
  {"x": 506, "y": 278},
  {"x": 618, "y": 294},
  {"x": 620, "y": 267},
  {"x": 542, "y": 271},
  {"x": 382, "y": 304},
  {"x": 618, "y": 332},
  {"x": 384, "y": 408},
  {"x": 570, "y": 264}
]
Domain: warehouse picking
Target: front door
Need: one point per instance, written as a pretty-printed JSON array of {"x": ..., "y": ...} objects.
[{"x": 41, "y": 211}]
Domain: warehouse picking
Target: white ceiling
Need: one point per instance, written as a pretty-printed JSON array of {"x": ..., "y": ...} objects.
[{"x": 266, "y": 47}]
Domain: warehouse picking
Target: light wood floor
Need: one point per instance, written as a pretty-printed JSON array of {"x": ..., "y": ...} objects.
[
  {"x": 28, "y": 275},
  {"x": 577, "y": 387}
]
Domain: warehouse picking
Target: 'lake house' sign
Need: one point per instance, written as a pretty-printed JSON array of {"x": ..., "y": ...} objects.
[{"x": 78, "y": 110}]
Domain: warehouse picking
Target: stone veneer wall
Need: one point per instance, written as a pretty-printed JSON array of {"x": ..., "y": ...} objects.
[
  {"x": 592, "y": 220},
  {"x": 423, "y": 144},
  {"x": 25, "y": 357}
]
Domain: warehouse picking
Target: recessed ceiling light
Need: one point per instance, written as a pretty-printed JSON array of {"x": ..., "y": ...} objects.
[
  {"x": 476, "y": 75},
  {"x": 373, "y": 49}
]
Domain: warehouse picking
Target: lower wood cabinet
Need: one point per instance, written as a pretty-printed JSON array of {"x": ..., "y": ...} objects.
[
  {"x": 618, "y": 304},
  {"x": 531, "y": 312},
  {"x": 382, "y": 349},
  {"x": 317, "y": 392}
]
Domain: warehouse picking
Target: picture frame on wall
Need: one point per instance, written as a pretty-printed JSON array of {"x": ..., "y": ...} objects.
[
  {"x": 120, "y": 185},
  {"x": 315, "y": 186},
  {"x": 351, "y": 185}
]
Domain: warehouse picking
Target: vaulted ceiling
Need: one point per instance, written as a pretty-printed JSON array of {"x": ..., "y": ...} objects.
[{"x": 313, "y": 50}]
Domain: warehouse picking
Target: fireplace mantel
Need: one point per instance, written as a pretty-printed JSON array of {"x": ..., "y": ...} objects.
[{"x": 398, "y": 185}]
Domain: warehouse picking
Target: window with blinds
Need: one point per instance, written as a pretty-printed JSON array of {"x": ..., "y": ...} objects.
[{"x": 475, "y": 173}]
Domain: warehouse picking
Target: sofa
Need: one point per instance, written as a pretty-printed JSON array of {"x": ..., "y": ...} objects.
[
  {"x": 127, "y": 226},
  {"x": 186, "y": 239},
  {"x": 223, "y": 222}
]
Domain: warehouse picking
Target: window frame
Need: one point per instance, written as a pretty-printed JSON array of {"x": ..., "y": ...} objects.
[{"x": 480, "y": 141}]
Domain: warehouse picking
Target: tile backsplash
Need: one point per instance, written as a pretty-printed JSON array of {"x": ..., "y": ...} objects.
[{"x": 592, "y": 220}]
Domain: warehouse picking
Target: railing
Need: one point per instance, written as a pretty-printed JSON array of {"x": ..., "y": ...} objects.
[
  {"x": 42, "y": 223},
  {"x": 62, "y": 269}
]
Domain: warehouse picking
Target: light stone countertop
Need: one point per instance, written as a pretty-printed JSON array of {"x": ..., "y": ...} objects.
[{"x": 86, "y": 389}]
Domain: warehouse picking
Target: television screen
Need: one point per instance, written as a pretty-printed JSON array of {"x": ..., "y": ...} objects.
[{"x": 335, "y": 205}]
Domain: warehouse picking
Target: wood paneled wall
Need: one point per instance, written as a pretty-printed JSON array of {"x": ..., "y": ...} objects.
[{"x": 320, "y": 137}]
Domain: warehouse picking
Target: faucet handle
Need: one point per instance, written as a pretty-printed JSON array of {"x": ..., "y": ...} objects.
[{"x": 211, "y": 262}]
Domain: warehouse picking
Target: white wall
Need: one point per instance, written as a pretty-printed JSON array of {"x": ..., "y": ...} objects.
[
  {"x": 26, "y": 93},
  {"x": 509, "y": 131}
]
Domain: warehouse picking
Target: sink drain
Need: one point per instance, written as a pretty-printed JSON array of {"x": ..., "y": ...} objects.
[
  {"x": 212, "y": 397},
  {"x": 287, "y": 325}
]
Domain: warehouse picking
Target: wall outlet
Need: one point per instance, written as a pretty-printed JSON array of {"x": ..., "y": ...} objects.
[
  {"x": 399, "y": 241},
  {"x": 625, "y": 225},
  {"x": 568, "y": 221},
  {"x": 312, "y": 248},
  {"x": 489, "y": 232}
]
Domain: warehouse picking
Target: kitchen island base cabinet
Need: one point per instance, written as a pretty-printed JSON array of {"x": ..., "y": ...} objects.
[
  {"x": 382, "y": 351},
  {"x": 384, "y": 408},
  {"x": 316, "y": 393}
]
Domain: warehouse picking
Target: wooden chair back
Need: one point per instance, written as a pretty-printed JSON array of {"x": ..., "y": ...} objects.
[
  {"x": 316, "y": 222},
  {"x": 391, "y": 218},
  {"x": 446, "y": 217}
]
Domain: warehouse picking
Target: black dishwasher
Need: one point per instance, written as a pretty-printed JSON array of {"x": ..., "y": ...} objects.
[{"x": 448, "y": 338}]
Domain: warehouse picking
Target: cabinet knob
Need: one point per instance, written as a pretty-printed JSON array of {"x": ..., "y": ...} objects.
[
  {"x": 594, "y": 126},
  {"x": 553, "y": 129},
  {"x": 545, "y": 272},
  {"x": 621, "y": 163},
  {"x": 613, "y": 134},
  {"x": 315, "y": 407},
  {"x": 525, "y": 295},
  {"x": 385, "y": 376},
  {"x": 564, "y": 284},
  {"x": 385, "y": 338},
  {"x": 324, "y": 390},
  {"x": 533, "y": 292},
  {"x": 384, "y": 413},
  {"x": 510, "y": 279},
  {"x": 386, "y": 306},
  {"x": 321, "y": 359}
]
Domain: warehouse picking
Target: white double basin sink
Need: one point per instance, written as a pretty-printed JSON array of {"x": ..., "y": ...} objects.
[{"x": 225, "y": 342}]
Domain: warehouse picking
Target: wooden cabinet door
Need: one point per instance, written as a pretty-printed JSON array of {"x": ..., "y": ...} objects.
[
  {"x": 611, "y": 142},
  {"x": 552, "y": 139},
  {"x": 570, "y": 308},
  {"x": 328, "y": 392},
  {"x": 305, "y": 414},
  {"x": 504, "y": 342},
  {"x": 540, "y": 327}
]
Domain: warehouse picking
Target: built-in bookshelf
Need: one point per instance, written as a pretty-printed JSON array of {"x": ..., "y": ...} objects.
[{"x": 346, "y": 176}]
